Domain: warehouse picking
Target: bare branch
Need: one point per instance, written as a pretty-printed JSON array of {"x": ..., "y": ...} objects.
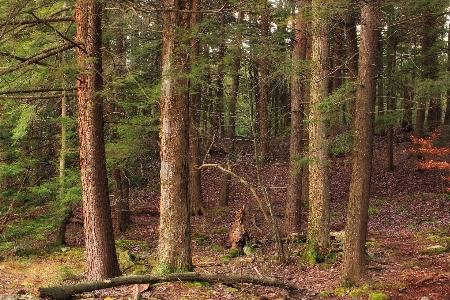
[{"x": 38, "y": 21}]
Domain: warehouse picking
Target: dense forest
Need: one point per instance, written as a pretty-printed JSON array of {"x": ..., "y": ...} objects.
[{"x": 99, "y": 98}]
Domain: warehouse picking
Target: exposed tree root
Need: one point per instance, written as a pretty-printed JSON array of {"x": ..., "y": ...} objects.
[{"x": 66, "y": 291}]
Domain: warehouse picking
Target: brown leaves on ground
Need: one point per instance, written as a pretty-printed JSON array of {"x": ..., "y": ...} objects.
[{"x": 409, "y": 211}]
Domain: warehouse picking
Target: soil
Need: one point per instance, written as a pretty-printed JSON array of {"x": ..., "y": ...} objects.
[{"x": 409, "y": 212}]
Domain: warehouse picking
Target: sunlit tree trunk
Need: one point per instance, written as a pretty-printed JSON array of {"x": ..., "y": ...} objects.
[
  {"x": 174, "y": 245},
  {"x": 353, "y": 261},
  {"x": 318, "y": 239},
  {"x": 100, "y": 247},
  {"x": 291, "y": 223}
]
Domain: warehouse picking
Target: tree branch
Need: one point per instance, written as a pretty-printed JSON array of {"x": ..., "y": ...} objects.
[
  {"x": 40, "y": 56},
  {"x": 10, "y": 55},
  {"x": 37, "y": 91},
  {"x": 38, "y": 21},
  {"x": 66, "y": 291}
]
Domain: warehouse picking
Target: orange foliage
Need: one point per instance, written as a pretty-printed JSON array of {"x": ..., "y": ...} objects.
[{"x": 426, "y": 147}]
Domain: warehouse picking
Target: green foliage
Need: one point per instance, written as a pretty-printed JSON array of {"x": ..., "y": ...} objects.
[
  {"x": 377, "y": 296},
  {"x": 341, "y": 145}
]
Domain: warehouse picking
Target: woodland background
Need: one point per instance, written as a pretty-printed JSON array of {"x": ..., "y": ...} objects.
[{"x": 249, "y": 76}]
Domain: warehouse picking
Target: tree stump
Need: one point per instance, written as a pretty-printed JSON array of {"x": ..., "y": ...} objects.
[{"x": 238, "y": 235}]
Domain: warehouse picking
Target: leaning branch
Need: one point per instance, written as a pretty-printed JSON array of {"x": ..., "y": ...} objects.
[
  {"x": 13, "y": 56},
  {"x": 66, "y": 291},
  {"x": 30, "y": 91},
  {"x": 40, "y": 56},
  {"x": 32, "y": 22},
  {"x": 244, "y": 182}
]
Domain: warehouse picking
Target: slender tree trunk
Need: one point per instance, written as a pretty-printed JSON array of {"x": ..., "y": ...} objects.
[
  {"x": 195, "y": 185},
  {"x": 429, "y": 71},
  {"x": 352, "y": 56},
  {"x": 231, "y": 130},
  {"x": 293, "y": 205},
  {"x": 318, "y": 239},
  {"x": 392, "y": 51},
  {"x": 174, "y": 246},
  {"x": 262, "y": 111},
  {"x": 353, "y": 261},
  {"x": 100, "y": 248},
  {"x": 447, "y": 104}
]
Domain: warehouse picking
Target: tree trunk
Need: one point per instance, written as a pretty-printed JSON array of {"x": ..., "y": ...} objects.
[
  {"x": 291, "y": 223},
  {"x": 174, "y": 246},
  {"x": 67, "y": 291},
  {"x": 353, "y": 262},
  {"x": 262, "y": 110},
  {"x": 197, "y": 205},
  {"x": 352, "y": 56},
  {"x": 318, "y": 239},
  {"x": 231, "y": 129},
  {"x": 100, "y": 248},
  {"x": 121, "y": 199},
  {"x": 429, "y": 71},
  {"x": 392, "y": 52}
]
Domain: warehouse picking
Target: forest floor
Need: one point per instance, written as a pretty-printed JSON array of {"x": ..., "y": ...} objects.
[{"x": 409, "y": 213}]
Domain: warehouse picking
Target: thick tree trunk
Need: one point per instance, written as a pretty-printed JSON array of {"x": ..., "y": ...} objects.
[
  {"x": 100, "y": 248},
  {"x": 174, "y": 246},
  {"x": 291, "y": 223},
  {"x": 318, "y": 239},
  {"x": 357, "y": 213}
]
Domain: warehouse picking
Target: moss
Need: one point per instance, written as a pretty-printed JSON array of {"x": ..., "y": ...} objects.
[
  {"x": 340, "y": 291},
  {"x": 377, "y": 296},
  {"x": 358, "y": 292},
  {"x": 231, "y": 254},
  {"x": 433, "y": 250},
  {"x": 324, "y": 294}
]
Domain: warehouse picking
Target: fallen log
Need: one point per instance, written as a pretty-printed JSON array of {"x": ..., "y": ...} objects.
[{"x": 66, "y": 291}]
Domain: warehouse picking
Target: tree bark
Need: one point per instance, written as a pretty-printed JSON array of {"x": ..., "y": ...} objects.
[
  {"x": 292, "y": 214},
  {"x": 65, "y": 292},
  {"x": 353, "y": 262},
  {"x": 318, "y": 239},
  {"x": 100, "y": 248},
  {"x": 174, "y": 247}
]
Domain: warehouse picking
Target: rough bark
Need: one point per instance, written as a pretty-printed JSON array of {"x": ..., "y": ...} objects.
[
  {"x": 100, "y": 248},
  {"x": 65, "y": 292},
  {"x": 357, "y": 213},
  {"x": 174, "y": 250},
  {"x": 318, "y": 239},
  {"x": 291, "y": 223}
]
